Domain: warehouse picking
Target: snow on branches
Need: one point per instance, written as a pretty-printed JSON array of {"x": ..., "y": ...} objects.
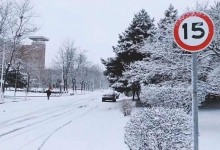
[
  {"x": 126, "y": 107},
  {"x": 159, "y": 128},
  {"x": 214, "y": 81},
  {"x": 165, "y": 62},
  {"x": 171, "y": 97}
]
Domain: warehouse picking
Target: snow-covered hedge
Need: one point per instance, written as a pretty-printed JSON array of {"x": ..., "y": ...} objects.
[
  {"x": 214, "y": 81},
  {"x": 159, "y": 128},
  {"x": 170, "y": 97},
  {"x": 126, "y": 107}
]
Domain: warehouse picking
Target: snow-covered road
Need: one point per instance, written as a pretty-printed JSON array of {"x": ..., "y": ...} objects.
[
  {"x": 79, "y": 122},
  {"x": 41, "y": 124}
]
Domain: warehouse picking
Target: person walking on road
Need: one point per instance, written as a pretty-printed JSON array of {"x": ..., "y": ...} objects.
[{"x": 48, "y": 93}]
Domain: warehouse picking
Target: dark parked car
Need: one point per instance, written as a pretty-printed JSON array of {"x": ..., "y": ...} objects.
[{"x": 110, "y": 95}]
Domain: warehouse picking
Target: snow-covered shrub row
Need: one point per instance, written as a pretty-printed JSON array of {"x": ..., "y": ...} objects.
[
  {"x": 166, "y": 97},
  {"x": 214, "y": 81},
  {"x": 126, "y": 107},
  {"x": 171, "y": 97},
  {"x": 159, "y": 128}
]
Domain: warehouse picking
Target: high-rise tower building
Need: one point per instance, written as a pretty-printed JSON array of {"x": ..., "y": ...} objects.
[{"x": 39, "y": 48}]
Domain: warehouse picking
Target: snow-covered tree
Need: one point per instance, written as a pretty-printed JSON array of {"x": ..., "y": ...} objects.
[
  {"x": 67, "y": 60},
  {"x": 141, "y": 27},
  {"x": 94, "y": 78},
  {"x": 114, "y": 68},
  {"x": 170, "y": 67},
  {"x": 167, "y": 62},
  {"x": 19, "y": 25},
  {"x": 162, "y": 55},
  {"x": 127, "y": 50},
  {"x": 21, "y": 79},
  {"x": 159, "y": 128},
  {"x": 210, "y": 57},
  {"x": 164, "y": 30},
  {"x": 78, "y": 73}
]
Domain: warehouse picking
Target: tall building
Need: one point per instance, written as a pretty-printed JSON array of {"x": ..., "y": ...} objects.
[
  {"x": 34, "y": 53},
  {"x": 38, "y": 48},
  {"x": 33, "y": 57}
]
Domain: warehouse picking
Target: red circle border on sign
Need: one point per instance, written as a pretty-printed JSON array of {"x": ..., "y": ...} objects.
[{"x": 202, "y": 45}]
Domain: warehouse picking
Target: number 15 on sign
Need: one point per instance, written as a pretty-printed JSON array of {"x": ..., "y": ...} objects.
[{"x": 195, "y": 27}]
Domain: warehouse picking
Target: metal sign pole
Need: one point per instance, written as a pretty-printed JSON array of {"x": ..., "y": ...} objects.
[{"x": 194, "y": 101}]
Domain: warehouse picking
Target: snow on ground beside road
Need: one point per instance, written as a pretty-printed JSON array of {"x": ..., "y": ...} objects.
[
  {"x": 209, "y": 127},
  {"x": 78, "y": 122}
]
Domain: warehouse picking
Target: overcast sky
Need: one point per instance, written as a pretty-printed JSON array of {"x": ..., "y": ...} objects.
[{"x": 94, "y": 25}]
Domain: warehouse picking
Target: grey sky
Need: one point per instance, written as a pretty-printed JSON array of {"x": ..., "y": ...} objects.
[{"x": 94, "y": 25}]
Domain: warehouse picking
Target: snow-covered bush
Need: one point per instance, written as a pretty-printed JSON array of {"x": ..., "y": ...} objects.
[
  {"x": 171, "y": 97},
  {"x": 159, "y": 128},
  {"x": 165, "y": 96},
  {"x": 126, "y": 107},
  {"x": 214, "y": 81}
]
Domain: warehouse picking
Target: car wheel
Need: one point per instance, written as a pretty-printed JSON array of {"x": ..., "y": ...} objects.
[
  {"x": 114, "y": 100},
  {"x": 103, "y": 100}
]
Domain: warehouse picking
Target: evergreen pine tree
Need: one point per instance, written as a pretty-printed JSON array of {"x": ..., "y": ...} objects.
[
  {"x": 165, "y": 24},
  {"x": 133, "y": 38},
  {"x": 127, "y": 50},
  {"x": 21, "y": 81},
  {"x": 159, "y": 54},
  {"x": 114, "y": 69}
]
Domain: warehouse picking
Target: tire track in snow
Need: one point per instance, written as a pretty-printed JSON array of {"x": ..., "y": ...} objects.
[
  {"x": 64, "y": 114},
  {"x": 54, "y": 131},
  {"x": 51, "y": 117},
  {"x": 25, "y": 115},
  {"x": 47, "y": 112},
  {"x": 38, "y": 112},
  {"x": 43, "y": 143}
]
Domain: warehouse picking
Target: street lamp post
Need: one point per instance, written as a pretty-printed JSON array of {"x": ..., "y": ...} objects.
[
  {"x": 16, "y": 82},
  {"x": 26, "y": 88},
  {"x": 61, "y": 81},
  {"x": 3, "y": 60}
]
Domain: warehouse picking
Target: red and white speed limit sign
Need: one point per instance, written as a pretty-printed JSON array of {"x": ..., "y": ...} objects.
[{"x": 194, "y": 31}]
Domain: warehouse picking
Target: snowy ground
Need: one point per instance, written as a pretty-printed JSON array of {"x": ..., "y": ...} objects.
[
  {"x": 78, "y": 122},
  {"x": 209, "y": 127}
]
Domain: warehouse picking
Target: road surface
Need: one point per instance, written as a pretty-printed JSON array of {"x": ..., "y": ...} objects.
[{"x": 28, "y": 125}]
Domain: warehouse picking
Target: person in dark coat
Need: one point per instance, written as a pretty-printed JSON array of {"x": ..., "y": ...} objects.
[
  {"x": 48, "y": 93},
  {"x": 136, "y": 88}
]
